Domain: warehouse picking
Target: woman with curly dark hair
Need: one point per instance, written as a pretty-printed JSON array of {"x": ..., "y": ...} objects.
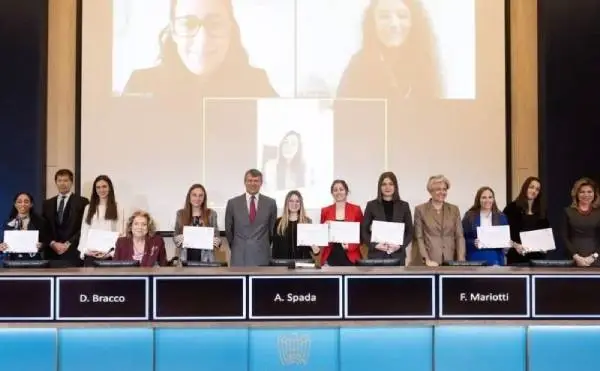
[{"x": 398, "y": 54}]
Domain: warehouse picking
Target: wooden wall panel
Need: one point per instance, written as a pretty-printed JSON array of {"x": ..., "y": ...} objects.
[
  {"x": 62, "y": 27},
  {"x": 524, "y": 100}
]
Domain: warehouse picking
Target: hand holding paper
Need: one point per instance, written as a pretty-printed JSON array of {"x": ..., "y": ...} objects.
[
  {"x": 538, "y": 240},
  {"x": 312, "y": 235},
  {"x": 100, "y": 241},
  {"x": 201, "y": 238},
  {"x": 494, "y": 237},
  {"x": 344, "y": 232},
  {"x": 21, "y": 241},
  {"x": 387, "y": 232}
]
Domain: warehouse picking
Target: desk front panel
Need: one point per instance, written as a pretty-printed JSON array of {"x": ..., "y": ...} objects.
[{"x": 276, "y": 294}]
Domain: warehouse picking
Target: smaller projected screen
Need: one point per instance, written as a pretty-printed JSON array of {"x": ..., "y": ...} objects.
[{"x": 298, "y": 144}]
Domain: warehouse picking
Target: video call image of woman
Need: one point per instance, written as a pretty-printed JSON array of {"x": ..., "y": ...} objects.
[
  {"x": 397, "y": 58},
  {"x": 201, "y": 54},
  {"x": 288, "y": 170}
]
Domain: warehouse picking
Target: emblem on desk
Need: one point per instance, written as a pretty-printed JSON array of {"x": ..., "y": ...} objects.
[{"x": 294, "y": 349}]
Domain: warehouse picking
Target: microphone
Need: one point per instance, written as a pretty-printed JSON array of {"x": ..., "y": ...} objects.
[
  {"x": 307, "y": 265},
  {"x": 302, "y": 265}
]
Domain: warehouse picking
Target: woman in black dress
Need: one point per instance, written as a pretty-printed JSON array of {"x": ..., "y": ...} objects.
[
  {"x": 285, "y": 232},
  {"x": 525, "y": 213},
  {"x": 581, "y": 225}
]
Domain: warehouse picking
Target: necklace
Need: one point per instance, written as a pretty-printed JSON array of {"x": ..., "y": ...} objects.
[{"x": 584, "y": 212}]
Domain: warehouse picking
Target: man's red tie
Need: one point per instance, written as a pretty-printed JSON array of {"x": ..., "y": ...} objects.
[{"x": 252, "y": 209}]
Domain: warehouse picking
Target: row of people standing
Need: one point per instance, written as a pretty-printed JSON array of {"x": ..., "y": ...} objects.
[
  {"x": 437, "y": 233},
  {"x": 256, "y": 235},
  {"x": 66, "y": 219}
]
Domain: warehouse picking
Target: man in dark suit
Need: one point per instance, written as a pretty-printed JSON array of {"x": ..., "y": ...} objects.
[
  {"x": 249, "y": 222},
  {"x": 64, "y": 214}
]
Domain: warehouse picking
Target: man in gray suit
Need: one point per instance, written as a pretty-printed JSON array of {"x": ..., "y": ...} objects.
[{"x": 249, "y": 223}]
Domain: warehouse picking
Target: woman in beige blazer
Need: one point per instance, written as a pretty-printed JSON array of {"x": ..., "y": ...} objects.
[{"x": 438, "y": 228}]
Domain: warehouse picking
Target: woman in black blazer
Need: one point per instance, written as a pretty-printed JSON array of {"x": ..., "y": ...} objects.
[
  {"x": 23, "y": 217},
  {"x": 525, "y": 213},
  {"x": 285, "y": 232},
  {"x": 387, "y": 207}
]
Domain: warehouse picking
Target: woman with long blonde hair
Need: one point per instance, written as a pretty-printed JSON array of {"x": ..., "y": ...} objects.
[{"x": 285, "y": 233}]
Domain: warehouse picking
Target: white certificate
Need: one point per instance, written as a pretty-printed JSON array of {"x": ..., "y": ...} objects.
[
  {"x": 344, "y": 232},
  {"x": 494, "y": 237},
  {"x": 21, "y": 241},
  {"x": 387, "y": 232},
  {"x": 538, "y": 240},
  {"x": 101, "y": 241},
  {"x": 200, "y": 238},
  {"x": 312, "y": 234}
]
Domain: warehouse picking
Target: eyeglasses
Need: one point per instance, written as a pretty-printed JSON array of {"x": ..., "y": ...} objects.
[{"x": 188, "y": 26}]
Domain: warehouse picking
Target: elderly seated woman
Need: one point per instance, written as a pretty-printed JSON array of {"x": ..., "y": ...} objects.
[{"x": 141, "y": 242}]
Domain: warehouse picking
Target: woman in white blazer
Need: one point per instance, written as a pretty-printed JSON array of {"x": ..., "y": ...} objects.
[{"x": 102, "y": 213}]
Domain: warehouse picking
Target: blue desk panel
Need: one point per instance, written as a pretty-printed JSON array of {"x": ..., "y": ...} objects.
[
  {"x": 290, "y": 349},
  {"x": 28, "y": 349},
  {"x": 564, "y": 348},
  {"x": 111, "y": 349},
  {"x": 201, "y": 349},
  {"x": 386, "y": 348},
  {"x": 449, "y": 348},
  {"x": 481, "y": 348}
]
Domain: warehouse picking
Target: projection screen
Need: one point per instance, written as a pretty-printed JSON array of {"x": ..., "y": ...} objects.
[{"x": 176, "y": 92}]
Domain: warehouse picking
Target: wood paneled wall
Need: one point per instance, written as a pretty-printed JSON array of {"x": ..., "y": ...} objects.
[
  {"x": 62, "y": 52},
  {"x": 524, "y": 91},
  {"x": 61, "y": 88}
]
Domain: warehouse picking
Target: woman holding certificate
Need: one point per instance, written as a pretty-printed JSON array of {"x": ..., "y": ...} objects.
[
  {"x": 389, "y": 210},
  {"x": 526, "y": 213},
  {"x": 103, "y": 222},
  {"x": 341, "y": 253},
  {"x": 23, "y": 218},
  {"x": 285, "y": 233},
  {"x": 438, "y": 228},
  {"x": 581, "y": 225},
  {"x": 195, "y": 213},
  {"x": 484, "y": 213}
]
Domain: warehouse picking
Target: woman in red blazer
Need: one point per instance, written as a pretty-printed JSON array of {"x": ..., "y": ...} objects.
[
  {"x": 141, "y": 243},
  {"x": 337, "y": 254}
]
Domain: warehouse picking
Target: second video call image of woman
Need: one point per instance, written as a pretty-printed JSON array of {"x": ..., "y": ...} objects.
[
  {"x": 399, "y": 49},
  {"x": 297, "y": 143}
]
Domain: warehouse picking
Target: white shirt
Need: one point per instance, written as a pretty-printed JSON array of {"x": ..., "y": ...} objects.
[
  {"x": 248, "y": 199},
  {"x": 60, "y": 196},
  {"x": 485, "y": 220},
  {"x": 99, "y": 222}
]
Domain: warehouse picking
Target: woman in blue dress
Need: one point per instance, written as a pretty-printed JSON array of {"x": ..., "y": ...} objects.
[{"x": 484, "y": 212}]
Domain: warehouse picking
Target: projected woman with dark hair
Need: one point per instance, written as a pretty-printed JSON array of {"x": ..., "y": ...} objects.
[
  {"x": 288, "y": 170},
  {"x": 201, "y": 54},
  {"x": 397, "y": 58}
]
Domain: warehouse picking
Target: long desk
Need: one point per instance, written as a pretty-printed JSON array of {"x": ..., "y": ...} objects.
[
  {"x": 351, "y": 319},
  {"x": 267, "y": 294}
]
